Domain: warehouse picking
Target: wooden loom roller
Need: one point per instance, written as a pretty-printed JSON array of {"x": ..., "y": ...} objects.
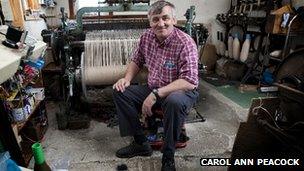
[
  {"x": 108, "y": 75},
  {"x": 105, "y": 58}
]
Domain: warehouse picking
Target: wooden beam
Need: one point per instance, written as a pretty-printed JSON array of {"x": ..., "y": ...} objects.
[
  {"x": 71, "y": 8},
  {"x": 116, "y": 17},
  {"x": 17, "y": 13}
]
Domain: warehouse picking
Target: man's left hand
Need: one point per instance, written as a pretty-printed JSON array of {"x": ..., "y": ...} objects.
[{"x": 147, "y": 105}]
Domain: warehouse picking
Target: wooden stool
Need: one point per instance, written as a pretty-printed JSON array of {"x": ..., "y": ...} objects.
[{"x": 155, "y": 136}]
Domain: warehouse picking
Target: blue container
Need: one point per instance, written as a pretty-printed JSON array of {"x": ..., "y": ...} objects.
[
  {"x": 6, "y": 164},
  {"x": 267, "y": 77},
  {"x": 36, "y": 64},
  {"x": 12, "y": 166}
]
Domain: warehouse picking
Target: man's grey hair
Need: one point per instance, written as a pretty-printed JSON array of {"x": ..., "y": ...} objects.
[{"x": 157, "y": 7}]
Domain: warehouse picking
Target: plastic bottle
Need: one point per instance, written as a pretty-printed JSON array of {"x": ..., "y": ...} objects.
[
  {"x": 12, "y": 165},
  {"x": 222, "y": 45},
  {"x": 236, "y": 47},
  {"x": 230, "y": 46},
  {"x": 40, "y": 163},
  {"x": 245, "y": 49}
]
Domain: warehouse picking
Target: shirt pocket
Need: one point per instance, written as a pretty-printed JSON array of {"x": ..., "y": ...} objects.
[{"x": 169, "y": 70}]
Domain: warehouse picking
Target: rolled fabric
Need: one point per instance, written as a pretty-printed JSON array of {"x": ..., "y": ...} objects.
[{"x": 107, "y": 75}]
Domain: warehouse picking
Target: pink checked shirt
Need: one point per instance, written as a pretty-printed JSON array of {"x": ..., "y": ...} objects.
[{"x": 174, "y": 58}]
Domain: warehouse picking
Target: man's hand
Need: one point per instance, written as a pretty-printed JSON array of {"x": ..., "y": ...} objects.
[
  {"x": 147, "y": 105},
  {"x": 121, "y": 84}
]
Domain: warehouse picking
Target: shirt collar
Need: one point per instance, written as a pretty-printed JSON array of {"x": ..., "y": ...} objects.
[{"x": 168, "y": 39}]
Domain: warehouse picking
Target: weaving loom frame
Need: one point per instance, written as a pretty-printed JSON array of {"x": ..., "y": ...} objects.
[{"x": 125, "y": 7}]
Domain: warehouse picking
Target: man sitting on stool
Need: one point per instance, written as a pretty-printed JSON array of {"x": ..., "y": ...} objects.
[{"x": 172, "y": 61}]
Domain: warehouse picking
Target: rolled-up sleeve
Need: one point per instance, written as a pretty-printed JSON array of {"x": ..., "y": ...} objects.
[
  {"x": 188, "y": 63},
  {"x": 138, "y": 57}
]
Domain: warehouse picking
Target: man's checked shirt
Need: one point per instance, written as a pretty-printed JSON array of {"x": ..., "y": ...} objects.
[{"x": 174, "y": 58}]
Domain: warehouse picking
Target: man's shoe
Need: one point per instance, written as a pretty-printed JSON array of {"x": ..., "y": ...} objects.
[
  {"x": 135, "y": 149},
  {"x": 168, "y": 164}
]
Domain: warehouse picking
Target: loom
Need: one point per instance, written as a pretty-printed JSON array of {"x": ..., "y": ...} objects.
[
  {"x": 95, "y": 51},
  {"x": 106, "y": 55},
  {"x": 108, "y": 42}
]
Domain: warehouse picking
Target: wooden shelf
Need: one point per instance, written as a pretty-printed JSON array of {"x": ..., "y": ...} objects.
[
  {"x": 32, "y": 81},
  {"x": 17, "y": 136}
]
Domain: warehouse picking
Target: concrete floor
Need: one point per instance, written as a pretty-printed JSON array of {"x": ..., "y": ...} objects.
[{"x": 94, "y": 148}]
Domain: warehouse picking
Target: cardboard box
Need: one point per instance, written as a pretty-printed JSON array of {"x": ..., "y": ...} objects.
[{"x": 274, "y": 21}]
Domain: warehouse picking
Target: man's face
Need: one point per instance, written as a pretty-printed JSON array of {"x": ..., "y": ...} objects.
[{"x": 162, "y": 24}]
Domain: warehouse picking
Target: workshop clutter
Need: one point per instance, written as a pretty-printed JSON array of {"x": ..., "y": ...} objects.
[
  {"x": 291, "y": 94},
  {"x": 255, "y": 39},
  {"x": 33, "y": 129},
  {"x": 241, "y": 41},
  {"x": 29, "y": 71},
  {"x": 38, "y": 93},
  {"x": 18, "y": 114},
  {"x": 38, "y": 64},
  {"x": 21, "y": 98},
  {"x": 286, "y": 120},
  {"x": 236, "y": 49},
  {"x": 22, "y": 106},
  {"x": 279, "y": 20},
  {"x": 233, "y": 59},
  {"x": 230, "y": 69}
]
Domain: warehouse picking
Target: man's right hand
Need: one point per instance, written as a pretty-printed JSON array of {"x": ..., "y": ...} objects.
[{"x": 121, "y": 84}]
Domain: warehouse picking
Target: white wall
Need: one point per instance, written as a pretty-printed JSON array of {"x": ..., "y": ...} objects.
[
  {"x": 206, "y": 11},
  {"x": 65, "y": 4}
]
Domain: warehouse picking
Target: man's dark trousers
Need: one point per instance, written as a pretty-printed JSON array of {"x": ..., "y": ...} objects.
[{"x": 175, "y": 106}]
